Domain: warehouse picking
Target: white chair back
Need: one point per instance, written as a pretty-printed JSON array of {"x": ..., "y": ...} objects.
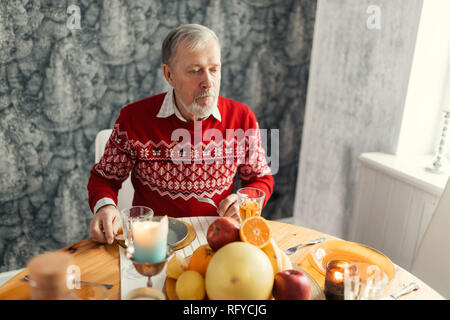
[
  {"x": 126, "y": 192},
  {"x": 432, "y": 261}
]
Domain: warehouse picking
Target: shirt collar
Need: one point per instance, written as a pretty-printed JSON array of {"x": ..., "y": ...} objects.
[{"x": 169, "y": 108}]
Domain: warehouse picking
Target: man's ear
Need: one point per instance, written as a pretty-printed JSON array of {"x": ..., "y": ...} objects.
[{"x": 168, "y": 74}]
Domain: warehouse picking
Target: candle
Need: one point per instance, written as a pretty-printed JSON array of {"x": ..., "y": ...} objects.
[
  {"x": 150, "y": 240},
  {"x": 334, "y": 278}
]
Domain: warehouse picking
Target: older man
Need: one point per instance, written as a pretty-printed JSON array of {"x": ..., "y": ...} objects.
[{"x": 220, "y": 137}]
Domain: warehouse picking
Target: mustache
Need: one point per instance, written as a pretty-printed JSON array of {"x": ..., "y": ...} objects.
[{"x": 207, "y": 93}]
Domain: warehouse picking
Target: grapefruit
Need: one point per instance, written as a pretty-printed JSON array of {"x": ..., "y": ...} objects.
[{"x": 239, "y": 271}]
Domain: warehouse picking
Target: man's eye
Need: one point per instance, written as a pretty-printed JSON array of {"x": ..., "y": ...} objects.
[{"x": 195, "y": 71}]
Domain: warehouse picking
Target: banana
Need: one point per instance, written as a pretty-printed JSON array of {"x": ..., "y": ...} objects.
[
  {"x": 274, "y": 254},
  {"x": 279, "y": 260}
]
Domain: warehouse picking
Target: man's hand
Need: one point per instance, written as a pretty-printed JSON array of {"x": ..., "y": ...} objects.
[
  {"x": 229, "y": 207},
  {"x": 105, "y": 224}
]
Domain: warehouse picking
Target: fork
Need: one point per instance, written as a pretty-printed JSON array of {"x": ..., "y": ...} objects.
[
  {"x": 294, "y": 249},
  {"x": 207, "y": 200},
  {"x": 107, "y": 286}
]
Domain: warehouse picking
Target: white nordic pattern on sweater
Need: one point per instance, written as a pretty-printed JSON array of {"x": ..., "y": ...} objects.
[{"x": 149, "y": 164}]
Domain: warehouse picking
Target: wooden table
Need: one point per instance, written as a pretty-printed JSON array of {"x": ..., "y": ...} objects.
[{"x": 100, "y": 263}]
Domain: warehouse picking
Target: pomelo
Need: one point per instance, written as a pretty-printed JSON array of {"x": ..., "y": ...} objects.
[{"x": 239, "y": 271}]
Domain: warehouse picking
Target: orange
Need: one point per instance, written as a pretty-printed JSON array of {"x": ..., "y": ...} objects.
[
  {"x": 200, "y": 259},
  {"x": 256, "y": 231}
]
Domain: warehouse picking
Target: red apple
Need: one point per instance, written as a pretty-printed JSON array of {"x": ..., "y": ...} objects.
[
  {"x": 221, "y": 232},
  {"x": 291, "y": 285}
]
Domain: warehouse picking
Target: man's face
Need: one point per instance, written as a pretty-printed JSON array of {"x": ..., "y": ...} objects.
[{"x": 195, "y": 77}]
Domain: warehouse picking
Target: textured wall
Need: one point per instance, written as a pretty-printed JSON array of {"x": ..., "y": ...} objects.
[
  {"x": 59, "y": 87},
  {"x": 356, "y": 94}
]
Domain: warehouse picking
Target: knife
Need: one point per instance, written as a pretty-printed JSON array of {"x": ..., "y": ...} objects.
[{"x": 407, "y": 289}]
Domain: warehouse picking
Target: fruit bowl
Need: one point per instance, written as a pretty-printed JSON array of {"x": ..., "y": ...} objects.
[
  {"x": 239, "y": 262},
  {"x": 316, "y": 291}
]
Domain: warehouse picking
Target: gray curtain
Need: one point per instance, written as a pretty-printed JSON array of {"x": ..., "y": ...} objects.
[
  {"x": 59, "y": 86},
  {"x": 356, "y": 95}
]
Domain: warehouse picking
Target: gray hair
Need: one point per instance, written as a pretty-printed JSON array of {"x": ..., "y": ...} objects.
[{"x": 195, "y": 36}]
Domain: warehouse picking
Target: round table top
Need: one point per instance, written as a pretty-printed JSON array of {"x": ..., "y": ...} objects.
[{"x": 100, "y": 263}]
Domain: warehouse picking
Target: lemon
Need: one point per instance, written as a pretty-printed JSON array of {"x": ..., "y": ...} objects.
[{"x": 190, "y": 286}]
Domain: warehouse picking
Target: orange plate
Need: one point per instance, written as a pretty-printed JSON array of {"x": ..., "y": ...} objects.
[
  {"x": 328, "y": 250},
  {"x": 169, "y": 289}
]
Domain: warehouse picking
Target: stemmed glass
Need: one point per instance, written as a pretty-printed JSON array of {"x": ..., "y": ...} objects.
[{"x": 130, "y": 216}]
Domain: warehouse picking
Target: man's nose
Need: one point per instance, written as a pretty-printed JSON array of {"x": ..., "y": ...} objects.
[{"x": 207, "y": 81}]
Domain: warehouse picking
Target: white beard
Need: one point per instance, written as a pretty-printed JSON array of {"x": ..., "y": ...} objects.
[{"x": 198, "y": 110}]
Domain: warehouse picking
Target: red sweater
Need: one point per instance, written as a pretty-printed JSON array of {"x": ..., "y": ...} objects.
[{"x": 167, "y": 177}]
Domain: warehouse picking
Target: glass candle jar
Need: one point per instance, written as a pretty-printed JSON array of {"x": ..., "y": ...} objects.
[{"x": 334, "y": 278}]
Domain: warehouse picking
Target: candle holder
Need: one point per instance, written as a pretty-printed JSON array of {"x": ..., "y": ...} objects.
[
  {"x": 149, "y": 269},
  {"x": 146, "y": 244},
  {"x": 334, "y": 278},
  {"x": 437, "y": 164}
]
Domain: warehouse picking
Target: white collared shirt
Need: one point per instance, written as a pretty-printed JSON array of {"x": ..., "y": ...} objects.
[{"x": 168, "y": 108}]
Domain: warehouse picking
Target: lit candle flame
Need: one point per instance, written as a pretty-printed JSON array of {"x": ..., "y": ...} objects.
[{"x": 338, "y": 275}]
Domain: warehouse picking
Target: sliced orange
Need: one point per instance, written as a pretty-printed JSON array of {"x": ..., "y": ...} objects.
[{"x": 256, "y": 231}]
